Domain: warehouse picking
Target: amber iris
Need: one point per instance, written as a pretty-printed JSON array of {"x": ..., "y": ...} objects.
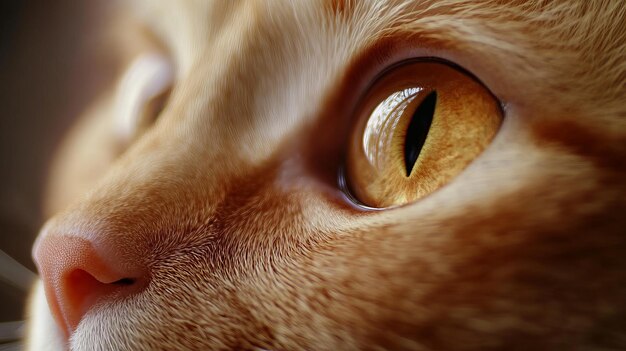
[{"x": 419, "y": 125}]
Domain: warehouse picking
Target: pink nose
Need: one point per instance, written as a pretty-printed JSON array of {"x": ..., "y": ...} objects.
[{"x": 78, "y": 274}]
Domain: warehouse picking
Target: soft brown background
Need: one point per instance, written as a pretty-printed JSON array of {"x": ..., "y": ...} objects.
[{"x": 46, "y": 53}]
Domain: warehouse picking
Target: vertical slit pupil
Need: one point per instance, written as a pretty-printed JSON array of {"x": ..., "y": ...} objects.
[{"x": 418, "y": 129}]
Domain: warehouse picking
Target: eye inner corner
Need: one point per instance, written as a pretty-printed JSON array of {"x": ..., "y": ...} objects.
[{"x": 417, "y": 131}]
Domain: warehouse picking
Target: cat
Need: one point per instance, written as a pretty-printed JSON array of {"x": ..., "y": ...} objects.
[{"x": 221, "y": 194}]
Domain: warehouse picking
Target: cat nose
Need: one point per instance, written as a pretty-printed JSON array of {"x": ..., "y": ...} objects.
[{"x": 78, "y": 274}]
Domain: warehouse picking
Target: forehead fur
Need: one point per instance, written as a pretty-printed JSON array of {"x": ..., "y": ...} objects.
[{"x": 574, "y": 48}]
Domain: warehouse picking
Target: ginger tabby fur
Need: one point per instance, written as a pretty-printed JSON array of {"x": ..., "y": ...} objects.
[{"x": 228, "y": 204}]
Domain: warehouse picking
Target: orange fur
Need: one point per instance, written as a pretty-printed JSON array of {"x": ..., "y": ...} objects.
[{"x": 230, "y": 205}]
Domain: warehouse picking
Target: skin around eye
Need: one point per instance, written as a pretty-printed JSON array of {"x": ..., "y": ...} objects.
[{"x": 418, "y": 126}]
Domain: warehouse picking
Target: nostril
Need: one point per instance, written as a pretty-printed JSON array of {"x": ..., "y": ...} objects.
[
  {"x": 81, "y": 291},
  {"x": 77, "y": 277},
  {"x": 125, "y": 281},
  {"x": 83, "y": 282}
]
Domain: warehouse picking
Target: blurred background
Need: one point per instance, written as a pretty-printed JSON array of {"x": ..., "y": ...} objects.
[{"x": 47, "y": 74}]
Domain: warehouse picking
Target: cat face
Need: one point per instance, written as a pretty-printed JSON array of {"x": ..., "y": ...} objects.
[{"x": 222, "y": 223}]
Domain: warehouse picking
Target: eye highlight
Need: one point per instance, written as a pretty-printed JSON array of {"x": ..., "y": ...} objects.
[{"x": 418, "y": 126}]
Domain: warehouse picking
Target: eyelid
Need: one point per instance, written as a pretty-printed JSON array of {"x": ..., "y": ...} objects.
[{"x": 148, "y": 76}]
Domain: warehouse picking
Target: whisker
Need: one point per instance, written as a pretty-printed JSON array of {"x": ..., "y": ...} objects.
[
  {"x": 14, "y": 273},
  {"x": 11, "y": 331},
  {"x": 14, "y": 346}
]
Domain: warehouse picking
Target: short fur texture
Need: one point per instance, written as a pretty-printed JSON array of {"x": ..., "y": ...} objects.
[{"x": 228, "y": 204}]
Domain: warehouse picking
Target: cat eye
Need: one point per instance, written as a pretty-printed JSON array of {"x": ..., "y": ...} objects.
[
  {"x": 142, "y": 94},
  {"x": 418, "y": 126}
]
